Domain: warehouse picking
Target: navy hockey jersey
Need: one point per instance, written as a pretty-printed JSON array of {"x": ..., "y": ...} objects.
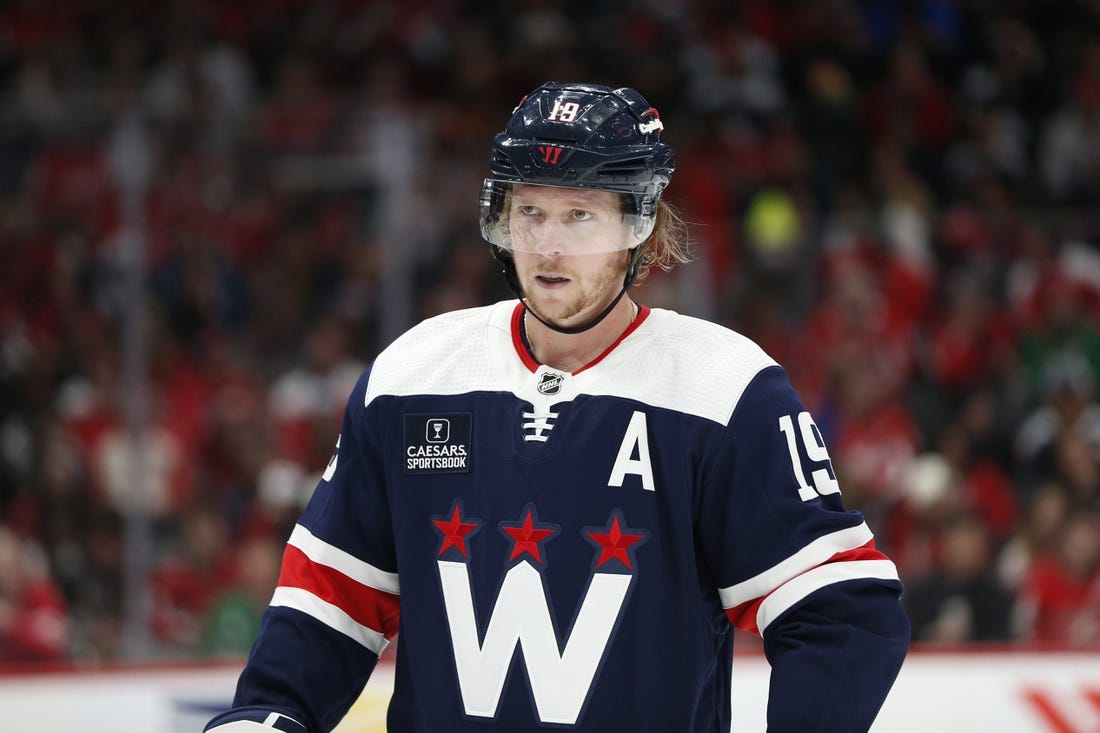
[{"x": 569, "y": 550}]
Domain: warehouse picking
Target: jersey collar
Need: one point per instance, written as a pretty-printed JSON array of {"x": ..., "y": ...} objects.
[{"x": 523, "y": 349}]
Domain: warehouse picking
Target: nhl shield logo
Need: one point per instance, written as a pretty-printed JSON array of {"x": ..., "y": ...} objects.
[{"x": 550, "y": 383}]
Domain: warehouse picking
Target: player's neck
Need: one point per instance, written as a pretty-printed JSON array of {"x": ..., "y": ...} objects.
[{"x": 571, "y": 351}]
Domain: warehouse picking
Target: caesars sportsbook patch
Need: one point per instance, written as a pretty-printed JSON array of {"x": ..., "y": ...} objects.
[{"x": 437, "y": 443}]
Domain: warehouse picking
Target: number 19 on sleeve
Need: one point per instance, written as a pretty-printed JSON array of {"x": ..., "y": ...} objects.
[{"x": 823, "y": 479}]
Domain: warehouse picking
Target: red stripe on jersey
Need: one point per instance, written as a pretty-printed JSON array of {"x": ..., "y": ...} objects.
[
  {"x": 865, "y": 552},
  {"x": 517, "y": 340},
  {"x": 528, "y": 358},
  {"x": 743, "y": 616},
  {"x": 373, "y": 608},
  {"x": 643, "y": 313}
]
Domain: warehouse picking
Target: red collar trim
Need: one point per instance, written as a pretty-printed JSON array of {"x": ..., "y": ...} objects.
[
  {"x": 532, "y": 364},
  {"x": 525, "y": 354}
]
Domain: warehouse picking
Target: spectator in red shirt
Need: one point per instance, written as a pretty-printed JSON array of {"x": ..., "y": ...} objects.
[
  {"x": 1060, "y": 597},
  {"x": 188, "y": 577},
  {"x": 33, "y": 618}
]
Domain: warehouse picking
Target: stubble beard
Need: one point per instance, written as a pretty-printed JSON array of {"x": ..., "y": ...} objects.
[{"x": 592, "y": 297}]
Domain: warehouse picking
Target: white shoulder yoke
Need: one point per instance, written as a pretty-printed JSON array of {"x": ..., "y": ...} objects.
[
  {"x": 681, "y": 363},
  {"x": 453, "y": 353},
  {"x": 671, "y": 361}
]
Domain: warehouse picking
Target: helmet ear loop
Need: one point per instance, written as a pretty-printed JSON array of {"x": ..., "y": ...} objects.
[
  {"x": 508, "y": 267},
  {"x": 633, "y": 266}
]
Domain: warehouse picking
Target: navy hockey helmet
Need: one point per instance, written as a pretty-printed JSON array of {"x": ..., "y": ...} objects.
[{"x": 579, "y": 136}]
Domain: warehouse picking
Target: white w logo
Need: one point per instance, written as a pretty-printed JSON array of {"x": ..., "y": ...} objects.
[{"x": 560, "y": 682}]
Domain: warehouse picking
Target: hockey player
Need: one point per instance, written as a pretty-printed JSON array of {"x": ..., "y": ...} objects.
[{"x": 564, "y": 502}]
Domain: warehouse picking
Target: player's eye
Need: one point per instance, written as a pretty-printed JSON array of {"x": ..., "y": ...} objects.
[
  {"x": 528, "y": 210},
  {"x": 581, "y": 215}
]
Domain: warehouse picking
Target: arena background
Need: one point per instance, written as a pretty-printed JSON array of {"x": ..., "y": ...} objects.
[{"x": 214, "y": 215}]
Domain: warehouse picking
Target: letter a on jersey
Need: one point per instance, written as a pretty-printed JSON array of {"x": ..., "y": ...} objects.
[{"x": 635, "y": 443}]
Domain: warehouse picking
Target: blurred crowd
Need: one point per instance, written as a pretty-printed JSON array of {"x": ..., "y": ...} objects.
[{"x": 897, "y": 199}]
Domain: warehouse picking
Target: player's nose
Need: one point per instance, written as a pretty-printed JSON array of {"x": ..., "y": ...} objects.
[{"x": 551, "y": 241}]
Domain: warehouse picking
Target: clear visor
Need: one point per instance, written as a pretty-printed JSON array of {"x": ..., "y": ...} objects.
[{"x": 525, "y": 217}]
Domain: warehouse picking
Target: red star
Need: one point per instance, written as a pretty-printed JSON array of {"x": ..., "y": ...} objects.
[
  {"x": 526, "y": 537},
  {"x": 614, "y": 543},
  {"x": 454, "y": 531}
]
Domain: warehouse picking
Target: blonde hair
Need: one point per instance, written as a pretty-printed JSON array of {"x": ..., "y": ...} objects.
[{"x": 668, "y": 245}]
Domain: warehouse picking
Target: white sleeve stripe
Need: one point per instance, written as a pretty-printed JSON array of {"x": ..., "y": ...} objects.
[
  {"x": 250, "y": 720},
  {"x": 795, "y": 590},
  {"x": 331, "y": 556},
  {"x": 329, "y": 615},
  {"x": 250, "y": 726},
  {"x": 274, "y": 718},
  {"x": 815, "y": 553}
]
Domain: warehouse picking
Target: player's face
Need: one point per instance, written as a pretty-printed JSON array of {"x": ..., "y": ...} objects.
[
  {"x": 571, "y": 264},
  {"x": 552, "y": 220}
]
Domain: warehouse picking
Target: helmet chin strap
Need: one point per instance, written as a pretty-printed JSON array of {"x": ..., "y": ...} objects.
[
  {"x": 510, "y": 276},
  {"x": 583, "y": 327}
]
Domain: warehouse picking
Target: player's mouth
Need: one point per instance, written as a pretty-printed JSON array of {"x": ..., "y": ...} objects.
[{"x": 551, "y": 281}]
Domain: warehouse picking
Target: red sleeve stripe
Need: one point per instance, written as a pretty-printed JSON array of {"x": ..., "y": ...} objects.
[
  {"x": 864, "y": 562},
  {"x": 367, "y": 606},
  {"x": 822, "y": 550},
  {"x": 331, "y": 556},
  {"x": 805, "y": 584},
  {"x": 329, "y": 615}
]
